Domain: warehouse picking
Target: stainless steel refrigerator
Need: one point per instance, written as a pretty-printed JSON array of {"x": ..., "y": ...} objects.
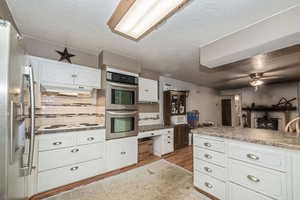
[{"x": 16, "y": 108}]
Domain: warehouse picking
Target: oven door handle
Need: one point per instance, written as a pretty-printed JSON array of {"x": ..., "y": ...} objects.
[
  {"x": 121, "y": 113},
  {"x": 122, "y": 85}
]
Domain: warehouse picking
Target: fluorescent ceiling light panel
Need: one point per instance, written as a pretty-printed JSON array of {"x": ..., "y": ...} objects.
[{"x": 135, "y": 18}]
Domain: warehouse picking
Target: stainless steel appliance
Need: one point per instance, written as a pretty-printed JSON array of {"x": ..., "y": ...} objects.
[
  {"x": 121, "y": 124},
  {"x": 16, "y": 147},
  {"x": 121, "y": 91}
]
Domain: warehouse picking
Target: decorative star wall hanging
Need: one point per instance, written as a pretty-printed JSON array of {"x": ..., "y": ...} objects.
[{"x": 65, "y": 55}]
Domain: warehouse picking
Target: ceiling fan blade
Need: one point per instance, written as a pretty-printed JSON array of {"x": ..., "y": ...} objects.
[
  {"x": 283, "y": 68},
  {"x": 237, "y": 78},
  {"x": 270, "y": 77}
]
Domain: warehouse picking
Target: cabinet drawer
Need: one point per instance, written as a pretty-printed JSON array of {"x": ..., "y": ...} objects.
[
  {"x": 210, "y": 156},
  {"x": 148, "y": 134},
  {"x": 210, "y": 169},
  {"x": 92, "y": 136},
  {"x": 209, "y": 144},
  {"x": 210, "y": 185},
  {"x": 238, "y": 193},
  {"x": 56, "y": 141},
  {"x": 67, "y": 156},
  {"x": 259, "y": 156},
  {"x": 61, "y": 176},
  {"x": 266, "y": 181}
]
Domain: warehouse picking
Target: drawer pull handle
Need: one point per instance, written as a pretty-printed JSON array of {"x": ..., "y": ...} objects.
[
  {"x": 152, "y": 133},
  {"x": 57, "y": 143},
  {"x": 123, "y": 153},
  {"x": 207, "y": 144},
  {"x": 207, "y": 156},
  {"x": 74, "y": 150},
  {"x": 169, "y": 136},
  {"x": 90, "y": 138},
  {"x": 252, "y": 156},
  {"x": 169, "y": 142},
  {"x": 208, "y": 185},
  {"x": 208, "y": 169},
  {"x": 253, "y": 178},
  {"x": 74, "y": 168}
]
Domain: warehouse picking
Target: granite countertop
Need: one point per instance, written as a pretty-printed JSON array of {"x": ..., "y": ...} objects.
[
  {"x": 257, "y": 136},
  {"x": 153, "y": 127},
  {"x": 69, "y": 129}
]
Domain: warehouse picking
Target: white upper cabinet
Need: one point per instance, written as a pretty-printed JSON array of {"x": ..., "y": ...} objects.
[
  {"x": 148, "y": 90},
  {"x": 86, "y": 76},
  {"x": 59, "y": 74},
  {"x": 56, "y": 73}
]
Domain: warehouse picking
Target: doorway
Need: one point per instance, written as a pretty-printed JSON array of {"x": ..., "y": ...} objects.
[{"x": 226, "y": 112}]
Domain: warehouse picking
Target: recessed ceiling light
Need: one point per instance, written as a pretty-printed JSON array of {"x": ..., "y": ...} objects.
[{"x": 134, "y": 19}]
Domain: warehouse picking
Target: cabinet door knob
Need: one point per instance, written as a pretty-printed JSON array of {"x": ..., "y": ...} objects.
[
  {"x": 90, "y": 138},
  {"x": 74, "y": 150},
  {"x": 208, "y": 185},
  {"x": 207, "y": 169},
  {"x": 57, "y": 143},
  {"x": 146, "y": 90},
  {"x": 207, "y": 156},
  {"x": 252, "y": 156},
  {"x": 74, "y": 168},
  {"x": 207, "y": 144},
  {"x": 253, "y": 178}
]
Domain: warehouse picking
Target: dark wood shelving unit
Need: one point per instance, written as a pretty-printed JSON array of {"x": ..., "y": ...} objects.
[
  {"x": 270, "y": 109},
  {"x": 175, "y": 105}
]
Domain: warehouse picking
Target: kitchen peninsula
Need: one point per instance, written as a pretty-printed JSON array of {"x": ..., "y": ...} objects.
[{"x": 244, "y": 163}]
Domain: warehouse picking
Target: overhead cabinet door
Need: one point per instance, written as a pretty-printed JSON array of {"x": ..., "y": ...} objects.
[
  {"x": 56, "y": 73},
  {"x": 148, "y": 90},
  {"x": 87, "y": 77}
]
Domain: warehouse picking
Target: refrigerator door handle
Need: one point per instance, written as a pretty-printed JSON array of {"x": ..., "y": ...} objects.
[
  {"x": 11, "y": 132},
  {"x": 29, "y": 166}
]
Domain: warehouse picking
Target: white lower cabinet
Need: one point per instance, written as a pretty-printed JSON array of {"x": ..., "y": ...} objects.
[
  {"x": 65, "y": 158},
  {"x": 269, "y": 182},
  {"x": 210, "y": 169},
  {"x": 164, "y": 143},
  {"x": 232, "y": 170},
  {"x": 237, "y": 192},
  {"x": 296, "y": 176},
  {"x": 121, "y": 153},
  {"x": 69, "y": 174},
  {"x": 210, "y": 185}
]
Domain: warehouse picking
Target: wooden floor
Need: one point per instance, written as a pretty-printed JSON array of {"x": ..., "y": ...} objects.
[{"x": 182, "y": 157}]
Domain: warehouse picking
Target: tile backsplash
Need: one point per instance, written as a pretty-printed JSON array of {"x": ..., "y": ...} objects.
[{"x": 68, "y": 110}]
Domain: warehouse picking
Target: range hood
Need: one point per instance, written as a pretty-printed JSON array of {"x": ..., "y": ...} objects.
[{"x": 67, "y": 89}]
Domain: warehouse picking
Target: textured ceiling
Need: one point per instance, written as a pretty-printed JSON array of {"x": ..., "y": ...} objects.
[{"x": 171, "y": 49}]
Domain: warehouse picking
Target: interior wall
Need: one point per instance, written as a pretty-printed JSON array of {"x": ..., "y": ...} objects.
[
  {"x": 203, "y": 99},
  {"x": 46, "y": 49},
  {"x": 268, "y": 95}
]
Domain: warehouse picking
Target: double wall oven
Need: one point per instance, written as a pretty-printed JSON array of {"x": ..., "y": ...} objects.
[{"x": 121, "y": 104}]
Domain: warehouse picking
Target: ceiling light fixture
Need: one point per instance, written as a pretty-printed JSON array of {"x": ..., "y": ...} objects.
[
  {"x": 256, "y": 82},
  {"x": 133, "y": 19}
]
